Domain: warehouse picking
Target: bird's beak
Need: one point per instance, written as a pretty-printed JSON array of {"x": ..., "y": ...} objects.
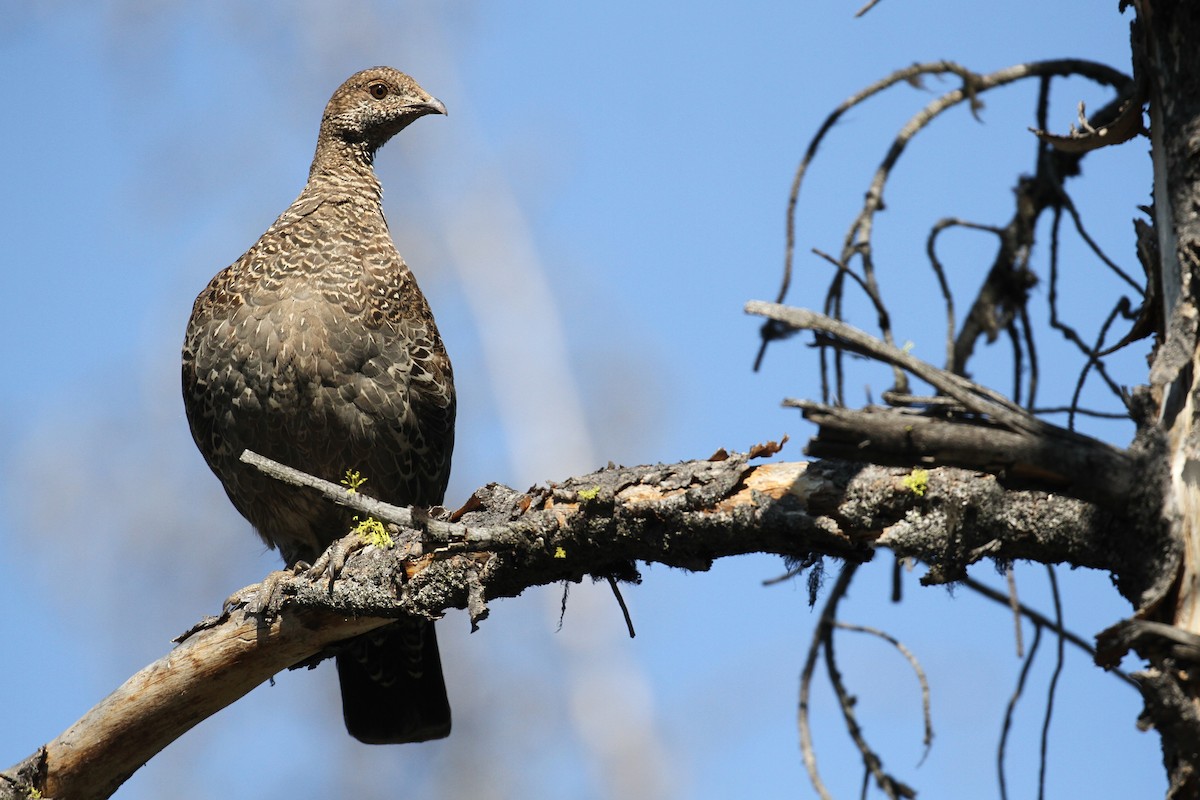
[{"x": 430, "y": 106}]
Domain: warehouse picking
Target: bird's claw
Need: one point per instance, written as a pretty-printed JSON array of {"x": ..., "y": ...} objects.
[
  {"x": 263, "y": 599},
  {"x": 330, "y": 563}
]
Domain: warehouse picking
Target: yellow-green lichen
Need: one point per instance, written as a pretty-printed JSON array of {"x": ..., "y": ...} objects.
[
  {"x": 917, "y": 481},
  {"x": 371, "y": 531}
]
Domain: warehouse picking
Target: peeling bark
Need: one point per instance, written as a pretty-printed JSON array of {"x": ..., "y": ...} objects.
[
  {"x": 598, "y": 525},
  {"x": 1165, "y": 37}
]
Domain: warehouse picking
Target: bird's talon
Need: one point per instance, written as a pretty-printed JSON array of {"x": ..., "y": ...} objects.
[
  {"x": 266, "y": 599},
  {"x": 317, "y": 568}
]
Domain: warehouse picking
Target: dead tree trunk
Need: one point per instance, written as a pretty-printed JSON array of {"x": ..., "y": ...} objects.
[
  {"x": 1156, "y": 481},
  {"x": 1166, "y": 33}
]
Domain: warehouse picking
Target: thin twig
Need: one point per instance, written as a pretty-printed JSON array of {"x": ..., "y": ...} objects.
[
  {"x": 844, "y": 268},
  {"x": 1012, "y": 705},
  {"x": 897, "y": 583},
  {"x": 1068, "y": 332},
  {"x": 1031, "y": 349},
  {"x": 1042, "y": 621},
  {"x": 1014, "y": 340},
  {"x": 920, "y": 672},
  {"x": 908, "y": 74},
  {"x": 858, "y": 238},
  {"x": 940, "y": 272},
  {"x": 893, "y": 788},
  {"x": 1058, "y": 668},
  {"x": 1132, "y": 315},
  {"x": 925, "y": 401},
  {"x": 355, "y": 501},
  {"x": 785, "y": 577},
  {"x": 833, "y": 307},
  {"x": 1093, "y": 360},
  {"x": 1069, "y": 205},
  {"x": 872, "y": 293},
  {"x": 433, "y": 530},
  {"x": 562, "y": 607},
  {"x": 1083, "y": 412},
  {"x": 806, "y": 675},
  {"x": 1014, "y": 603},
  {"x": 612, "y": 582}
]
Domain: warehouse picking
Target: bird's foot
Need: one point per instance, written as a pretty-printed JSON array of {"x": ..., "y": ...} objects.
[
  {"x": 333, "y": 560},
  {"x": 264, "y": 599}
]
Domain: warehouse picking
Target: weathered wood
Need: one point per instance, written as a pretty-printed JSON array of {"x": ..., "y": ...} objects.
[
  {"x": 212, "y": 669},
  {"x": 598, "y": 525},
  {"x": 1165, "y": 36},
  {"x": 1069, "y": 463}
]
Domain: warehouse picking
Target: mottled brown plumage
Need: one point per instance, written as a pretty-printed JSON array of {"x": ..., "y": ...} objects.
[{"x": 317, "y": 349}]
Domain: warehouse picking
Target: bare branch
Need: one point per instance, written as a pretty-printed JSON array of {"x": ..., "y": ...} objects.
[
  {"x": 940, "y": 273},
  {"x": 870, "y": 4},
  {"x": 1011, "y": 707},
  {"x": 597, "y": 525},
  {"x": 1044, "y": 746},
  {"x": 1031, "y": 448},
  {"x": 972, "y": 396},
  {"x": 1064, "y": 461},
  {"x": 216, "y": 666},
  {"x": 1087, "y": 137},
  {"x": 926, "y": 714},
  {"x": 893, "y": 788},
  {"x": 1014, "y": 604},
  {"x": 820, "y": 632}
]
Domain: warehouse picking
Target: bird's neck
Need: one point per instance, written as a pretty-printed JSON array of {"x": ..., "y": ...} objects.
[{"x": 345, "y": 168}]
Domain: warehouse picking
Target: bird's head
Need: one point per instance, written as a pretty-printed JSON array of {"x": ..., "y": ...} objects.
[{"x": 374, "y": 105}]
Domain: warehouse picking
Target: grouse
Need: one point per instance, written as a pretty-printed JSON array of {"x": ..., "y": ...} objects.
[{"x": 317, "y": 349}]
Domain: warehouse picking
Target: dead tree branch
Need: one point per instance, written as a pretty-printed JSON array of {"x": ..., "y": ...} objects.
[
  {"x": 1002, "y": 298},
  {"x": 988, "y": 432},
  {"x": 981, "y": 429},
  {"x": 595, "y": 526}
]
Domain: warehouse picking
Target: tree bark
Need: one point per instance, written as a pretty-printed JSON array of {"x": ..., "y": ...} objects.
[
  {"x": 1165, "y": 38},
  {"x": 598, "y": 525}
]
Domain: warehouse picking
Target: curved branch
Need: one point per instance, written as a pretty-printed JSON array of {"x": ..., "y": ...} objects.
[
  {"x": 873, "y": 764},
  {"x": 940, "y": 273},
  {"x": 973, "y": 85},
  {"x": 1040, "y": 620},
  {"x": 918, "y": 670}
]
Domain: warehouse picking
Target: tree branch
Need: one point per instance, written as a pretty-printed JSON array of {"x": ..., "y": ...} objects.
[
  {"x": 1073, "y": 464},
  {"x": 598, "y": 525},
  {"x": 1001, "y": 437}
]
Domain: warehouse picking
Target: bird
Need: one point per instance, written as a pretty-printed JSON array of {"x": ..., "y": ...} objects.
[{"x": 317, "y": 349}]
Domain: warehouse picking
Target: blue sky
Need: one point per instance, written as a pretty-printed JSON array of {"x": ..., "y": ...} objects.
[{"x": 607, "y": 191}]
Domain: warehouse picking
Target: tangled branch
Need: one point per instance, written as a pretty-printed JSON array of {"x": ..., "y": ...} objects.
[
  {"x": 1002, "y": 297},
  {"x": 964, "y": 423}
]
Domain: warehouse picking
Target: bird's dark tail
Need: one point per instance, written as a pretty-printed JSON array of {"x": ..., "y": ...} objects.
[{"x": 392, "y": 685}]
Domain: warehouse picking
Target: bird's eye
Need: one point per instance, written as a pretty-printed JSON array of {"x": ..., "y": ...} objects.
[{"x": 378, "y": 90}]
